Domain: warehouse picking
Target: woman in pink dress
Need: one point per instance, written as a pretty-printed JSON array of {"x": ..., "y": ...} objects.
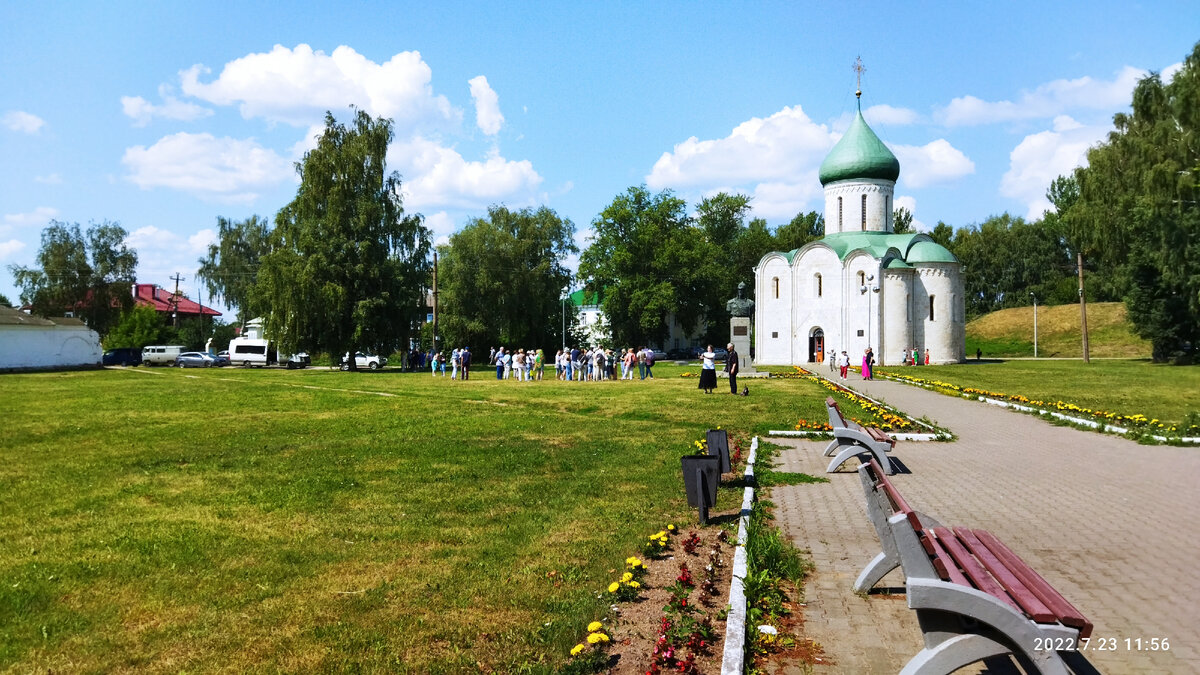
[{"x": 866, "y": 366}]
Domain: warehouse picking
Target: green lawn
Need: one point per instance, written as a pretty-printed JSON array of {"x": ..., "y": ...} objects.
[
  {"x": 1127, "y": 387},
  {"x": 165, "y": 520}
]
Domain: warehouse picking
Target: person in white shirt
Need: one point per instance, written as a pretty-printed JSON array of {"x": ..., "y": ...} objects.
[{"x": 708, "y": 370}]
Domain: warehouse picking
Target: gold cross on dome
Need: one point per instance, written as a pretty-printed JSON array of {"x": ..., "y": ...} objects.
[{"x": 859, "y": 69}]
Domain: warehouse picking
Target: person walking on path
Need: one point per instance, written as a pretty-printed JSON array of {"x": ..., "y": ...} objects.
[
  {"x": 844, "y": 364},
  {"x": 731, "y": 368},
  {"x": 833, "y": 360},
  {"x": 866, "y": 364},
  {"x": 708, "y": 371},
  {"x": 916, "y": 356},
  {"x": 926, "y": 356}
]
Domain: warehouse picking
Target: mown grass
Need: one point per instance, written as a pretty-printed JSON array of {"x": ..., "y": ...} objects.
[
  {"x": 1128, "y": 387},
  {"x": 164, "y": 520},
  {"x": 1009, "y": 333}
]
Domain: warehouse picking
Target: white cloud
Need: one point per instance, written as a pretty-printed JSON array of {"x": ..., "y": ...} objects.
[
  {"x": 782, "y": 200},
  {"x": 39, "y": 217},
  {"x": 143, "y": 111},
  {"x": 442, "y": 226},
  {"x": 1040, "y": 158},
  {"x": 199, "y": 242},
  {"x": 487, "y": 106},
  {"x": 51, "y": 179},
  {"x": 779, "y": 148},
  {"x": 298, "y": 85},
  {"x": 910, "y": 203},
  {"x": 439, "y": 177},
  {"x": 887, "y": 115},
  {"x": 10, "y": 248},
  {"x": 224, "y": 169},
  {"x": 934, "y": 162},
  {"x": 26, "y": 123},
  {"x": 1046, "y": 101},
  {"x": 150, "y": 238}
]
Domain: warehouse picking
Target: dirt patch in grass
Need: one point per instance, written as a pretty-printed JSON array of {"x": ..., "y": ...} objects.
[{"x": 636, "y": 626}]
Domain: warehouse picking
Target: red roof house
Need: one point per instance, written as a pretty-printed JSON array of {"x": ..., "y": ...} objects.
[{"x": 163, "y": 301}]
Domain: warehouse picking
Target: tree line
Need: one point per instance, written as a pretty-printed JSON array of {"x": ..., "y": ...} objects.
[{"x": 345, "y": 267}]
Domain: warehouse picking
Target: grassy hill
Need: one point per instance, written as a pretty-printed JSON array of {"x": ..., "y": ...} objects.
[{"x": 1009, "y": 332}]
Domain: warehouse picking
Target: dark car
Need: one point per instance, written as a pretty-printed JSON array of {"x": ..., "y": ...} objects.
[
  {"x": 194, "y": 360},
  {"x": 122, "y": 356},
  {"x": 680, "y": 354},
  {"x": 221, "y": 359}
]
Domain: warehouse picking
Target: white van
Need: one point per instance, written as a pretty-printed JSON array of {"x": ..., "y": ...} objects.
[
  {"x": 251, "y": 352},
  {"x": 161, "y": 355}
]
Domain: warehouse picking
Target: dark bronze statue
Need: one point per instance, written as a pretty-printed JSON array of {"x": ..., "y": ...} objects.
[{"x": 741, "y": 305}]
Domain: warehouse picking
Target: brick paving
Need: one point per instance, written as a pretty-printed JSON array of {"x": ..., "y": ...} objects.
[{"x": 1113, "y": 525}]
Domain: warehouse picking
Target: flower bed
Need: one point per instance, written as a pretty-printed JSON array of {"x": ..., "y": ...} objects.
[
  {"x": 1130, "y": 422},
  {"x": 882, "y": 416}
]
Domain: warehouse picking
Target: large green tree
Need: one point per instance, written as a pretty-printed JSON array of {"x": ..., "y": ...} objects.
[
  {"x": 230, "y": 267},
  {"x": 649, "y": 259},
  {"x": 1005, "y": 259},
  {"x": 347, "y": 268},
  {"x": 802, "y": 229},
  {"x": 722, "y": 220},
  {"x": 501, "y": 279},
  {"x": 1139, "y": 209},
  {"x": 89, "y": 274}
]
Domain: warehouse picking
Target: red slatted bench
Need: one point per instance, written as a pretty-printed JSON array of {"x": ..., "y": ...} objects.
[
  {"x": 851, "y": 439},
  {"x": 975, "y": 598}
]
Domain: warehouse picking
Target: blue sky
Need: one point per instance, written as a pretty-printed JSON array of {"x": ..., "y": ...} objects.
[{"x": 163, "y": 116}]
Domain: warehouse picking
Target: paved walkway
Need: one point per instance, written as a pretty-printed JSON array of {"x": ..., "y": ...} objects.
[{"x": 1114, "y": 525}]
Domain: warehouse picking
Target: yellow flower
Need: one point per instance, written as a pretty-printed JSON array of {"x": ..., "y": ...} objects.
[
  {"x": 671, "y": 528},
  {"x": 595, "y": 626},
  {"x": 597, "y": 637},
  {"x": 628, "y": 576},
  {"x": 634, "y": 584},
  {"x": 576, "y": 649},
  {"x": 612, "y": 588}
]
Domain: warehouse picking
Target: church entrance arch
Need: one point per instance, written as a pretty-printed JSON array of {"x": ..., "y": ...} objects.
[{"x": 816, "y": 346}]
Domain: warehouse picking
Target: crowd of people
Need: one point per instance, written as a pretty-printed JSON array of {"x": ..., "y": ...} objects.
[
  {"x": 528, "y": 365},
  {"x": 840, "y": 362}
]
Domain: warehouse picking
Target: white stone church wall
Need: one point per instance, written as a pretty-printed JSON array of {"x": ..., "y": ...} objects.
[
  {"x": 897, "y": 316},
  {"x": 943, "y": 334},
  {"x": 880, "y": 197},
  {"x": 819, "y": 305},
  {"x": 773, "y": 311}
]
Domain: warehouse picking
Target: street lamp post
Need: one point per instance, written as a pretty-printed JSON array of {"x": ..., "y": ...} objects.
[
  {"x": 1034, "y": 324},
  {"x": 862, "y": 290},
  {"x": 564, "y": 327}
]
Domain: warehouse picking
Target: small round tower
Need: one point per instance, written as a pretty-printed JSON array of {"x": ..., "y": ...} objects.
[{"x": 859, "y": 176}]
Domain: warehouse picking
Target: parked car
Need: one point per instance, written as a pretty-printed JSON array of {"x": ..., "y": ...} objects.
[
  {"x": 680, "y": 354},
  {"x": 298, "y": 360},
  {"x": 659, "y": 355},
  {"x": 221, "y": 359},
  {"x": 194, "y": 360},
  {"x": 161, "y": 355},
  {"x": 363, "y": 361},
  {"x": 122, "y": 356},
  {"x": 720, "y": 353}
]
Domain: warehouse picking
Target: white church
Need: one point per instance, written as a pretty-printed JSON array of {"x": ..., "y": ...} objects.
[{"x": 861, "y": 285}]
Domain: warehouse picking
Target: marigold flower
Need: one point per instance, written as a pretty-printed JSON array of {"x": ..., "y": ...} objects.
[
  {"x": 634, "y": 584},
  {"x": 594, "y": 626},
  {"x": 597, "y": 637},
  {"x": 576, "y": 649},
  {"x": 612, "y": 588},
  {"x": 628, "y": 576}
]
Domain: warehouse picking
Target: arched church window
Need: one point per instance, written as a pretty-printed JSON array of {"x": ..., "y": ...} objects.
[
  {"x": 775, "y": 283},
  {"x": 839, "y": 214},
  {"x": 818, "y": 281},
  {"x": 864, "y": 213},
  {"x": 887, "y": 209},
  {"x": 931, "y": 308}
]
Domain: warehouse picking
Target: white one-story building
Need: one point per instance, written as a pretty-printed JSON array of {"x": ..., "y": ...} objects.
[
  {"x": 861, "y": 285},
  {"x": 33, "y": 343}
]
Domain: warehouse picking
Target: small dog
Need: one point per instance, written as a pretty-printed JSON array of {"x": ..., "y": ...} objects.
[{"x": 745, "y": 391}]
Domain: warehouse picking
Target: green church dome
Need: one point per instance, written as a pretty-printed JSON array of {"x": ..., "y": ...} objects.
[{"x": 859, "y": 154}]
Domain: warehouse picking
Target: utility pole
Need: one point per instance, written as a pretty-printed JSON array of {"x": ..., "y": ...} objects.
[
  {"x": 435, "y": 304},
  {"x": 1034, "y": 324},
  {"x": 175, "y": 299},
  {"x": 1083, "y": 308}
]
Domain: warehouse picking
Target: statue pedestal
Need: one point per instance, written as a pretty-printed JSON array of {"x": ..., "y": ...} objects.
[{"x": 739, "y": 335}]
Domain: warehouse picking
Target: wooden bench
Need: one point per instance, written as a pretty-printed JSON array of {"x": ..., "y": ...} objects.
[
  {"x": 974, "y": 598},
  {"x": 854, "y": 440}
]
